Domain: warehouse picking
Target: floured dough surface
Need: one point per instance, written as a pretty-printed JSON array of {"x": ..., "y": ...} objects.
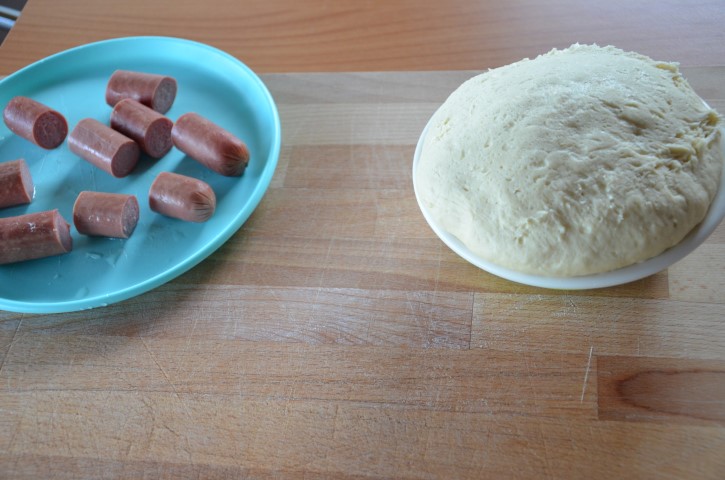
[{"x": 580, "y": 161}]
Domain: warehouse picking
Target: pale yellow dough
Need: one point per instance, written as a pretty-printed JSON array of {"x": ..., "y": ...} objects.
[{"x": 580, "y": 161}]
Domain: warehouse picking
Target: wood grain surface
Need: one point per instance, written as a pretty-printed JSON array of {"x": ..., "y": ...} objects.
[
  {"x": 378, "y": 35},
  {"x": 334, "y": 336}
]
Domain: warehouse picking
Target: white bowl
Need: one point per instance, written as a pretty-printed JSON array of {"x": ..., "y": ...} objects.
[{"x": 607, "y": 279}]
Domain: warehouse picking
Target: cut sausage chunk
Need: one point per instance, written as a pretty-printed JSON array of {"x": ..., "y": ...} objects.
[
  {"x": 182, "y": 197},
  {"x": 147, "y": 127},
  {"x": 105, "y": 214},
  {"x": 16, "y": 184},
  {"x": 35, "y": 122},
  {"x": 104, "y": 147},
  {"x": 210, "y": 145},
  {"x": 34, "y": 235},
  {"x": 155, "y": 91}
]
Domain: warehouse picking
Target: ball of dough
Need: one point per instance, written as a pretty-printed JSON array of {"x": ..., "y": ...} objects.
[{"x": 579, "y": 161}]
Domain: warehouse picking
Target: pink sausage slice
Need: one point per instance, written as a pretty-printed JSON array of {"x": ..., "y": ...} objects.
[
  {"x": 16, "y": 184},
  {"x": 210, "y": 145},
  {"x": 104, "y": 147},
  {"x": 155, "y": 91},
  {"x": 147, "y": 127},
  {"x": 105, "y": 214},
  {"x": 34, "y": 235},
  {"x": 182, "y": 197},
  {"x": 35, "y": 122}
]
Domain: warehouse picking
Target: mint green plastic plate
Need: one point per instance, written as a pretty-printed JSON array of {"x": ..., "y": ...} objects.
[{"x": 100, "y": 271}]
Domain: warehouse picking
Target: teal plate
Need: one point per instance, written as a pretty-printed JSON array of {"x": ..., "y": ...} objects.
[{"x": 101, "y": 271}]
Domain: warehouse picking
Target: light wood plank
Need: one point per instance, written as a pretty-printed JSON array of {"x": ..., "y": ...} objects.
[
  {"x": 382, "y": 167},
  {"x": 432, "y": 379},
  {"x": 354, "y": 124},
  {"x": 292, "y": 439},
  {"x": 35, "y": 466},
  {"x": 388, "y": 263},
  {"x": 718, "y": 236},
  {"x": 329, "y": 213},
  {"x": 429, "y": 87},
  {"x": 606, "y": 326},
  {"x": 699, "y": 276},
  {"x": 301, "y": 315},
  {"x": 9, "y": 323},
  {"x": 421, "y": 87}
]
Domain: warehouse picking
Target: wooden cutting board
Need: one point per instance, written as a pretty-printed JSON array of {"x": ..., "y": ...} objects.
[{"x": 334, "y": 336}]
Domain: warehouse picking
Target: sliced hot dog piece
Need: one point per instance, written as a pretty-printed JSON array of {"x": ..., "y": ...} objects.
[
  {"x": 182, "y": 197},
  {"x": 34, "y": 235},
  {"x": 155, "y": 91},
  {"x": 16, "y": 184},
  {"x": 35, "y": 122},
  {"x": 210, "y": 145},
  {"x": 147, "y": 127},
  {"x": 105, "y": 214},
  {"x": 104, "y": 147}
]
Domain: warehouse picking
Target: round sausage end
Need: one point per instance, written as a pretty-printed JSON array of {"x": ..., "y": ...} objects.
[
  {"x": 124, "y": 159},
  {"x": 105, "y": 214},
  {"x": 16, "y": 183},
  {"x": 62, "y": 232},
  {"x": 164, "y": 95},
  {"x": 35, "y": 122},
  {"x": 50, "y": 129},
  {"x": 158, "y": 137},
  {"x": 129, "y": 216}
]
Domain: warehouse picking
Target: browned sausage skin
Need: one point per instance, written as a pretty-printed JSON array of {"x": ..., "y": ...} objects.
[
  {"x": 104, "y": 147},
  {"x": 210, "y": 145},
  {"x": 182, "y": 197},
  {"x": 35, "y": 122},
  {"x": 147, "y": 127},
  {"x": 105, "y": 214},
  {"x": 155, "y": 91},
  {"x": 16, "y": 184},
  {"x": 34, "y": 235}
]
